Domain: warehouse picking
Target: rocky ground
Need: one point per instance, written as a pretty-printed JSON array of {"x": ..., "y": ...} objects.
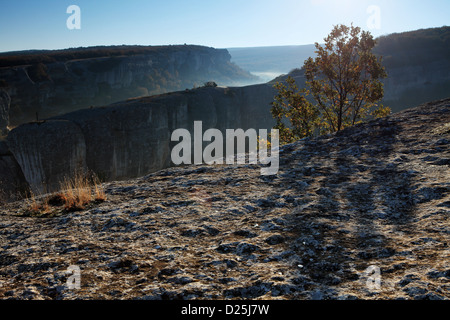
[{"x": 362, "y": 214}]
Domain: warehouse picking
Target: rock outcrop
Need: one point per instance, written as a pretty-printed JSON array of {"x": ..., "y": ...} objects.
[
  {"x": 360, "y": 214},
  {"x": 132, "y": 138}
]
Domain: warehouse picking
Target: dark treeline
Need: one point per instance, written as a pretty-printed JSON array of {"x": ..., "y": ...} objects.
[
  {"x": 414, "y": 47},
  {"x": 33, "y": 57},
  {"x": 406, "y": 49}
]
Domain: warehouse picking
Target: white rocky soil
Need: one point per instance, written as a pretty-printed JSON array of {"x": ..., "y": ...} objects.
[{"x": 343, "y": 207}]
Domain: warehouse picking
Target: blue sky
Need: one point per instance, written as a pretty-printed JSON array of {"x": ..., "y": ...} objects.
[{"x": 41, "y": 24}]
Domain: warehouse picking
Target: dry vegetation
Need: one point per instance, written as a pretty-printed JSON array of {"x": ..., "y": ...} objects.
[
  {"x": 76, "y": 193},
  {"x": 33, "y": 57}
]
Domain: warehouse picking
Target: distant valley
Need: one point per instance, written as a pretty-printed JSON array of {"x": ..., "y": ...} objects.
[
  {"x": 123, "y": 130},
  {"x": 417, "y": 63},
  {"x": 35, "y": 85},
  {"x": 270, "y": 62}
]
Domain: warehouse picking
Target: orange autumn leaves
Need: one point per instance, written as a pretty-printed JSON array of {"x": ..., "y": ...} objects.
[{"x": 342, "y": 88}]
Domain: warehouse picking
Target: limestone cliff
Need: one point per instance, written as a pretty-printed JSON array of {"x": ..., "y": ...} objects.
[
  {"x": 13, "y": 185},
  {"x": 5, "y": 101},
  {"x": 416, "y": 84},
  {"x": 46, "y": 84},
  {"x": 132, "y": 138}
]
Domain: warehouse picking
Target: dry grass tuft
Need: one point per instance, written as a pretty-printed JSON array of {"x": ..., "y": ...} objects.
[
  {"x": 99, "y": 192},
  {"x": 75, "y": 194},
  {"x": 35, "y": 207}
]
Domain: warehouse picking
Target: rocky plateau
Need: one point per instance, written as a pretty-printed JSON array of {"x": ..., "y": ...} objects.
[{"x": 360, "y": 214}]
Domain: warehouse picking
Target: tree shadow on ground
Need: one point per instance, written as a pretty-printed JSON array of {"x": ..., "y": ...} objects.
[{"x": 348, "y": 190}]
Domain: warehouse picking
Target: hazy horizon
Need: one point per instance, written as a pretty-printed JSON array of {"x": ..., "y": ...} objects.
[{"x": 43, "y": 25}]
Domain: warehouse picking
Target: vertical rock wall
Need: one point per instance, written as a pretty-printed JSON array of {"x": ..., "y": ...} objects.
[
  {"x": 5, "y": 101},
  {"x": 132, "y": 138},
  {"x": 13, "y": 184},
  {"x": 47, "y": 152}
]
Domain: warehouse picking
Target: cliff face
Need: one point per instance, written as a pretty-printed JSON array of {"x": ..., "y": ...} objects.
[
  {"x": 45, "y": 89},
  {"x": 418, "y": 66},
  {"x": 5, "y": 100},
  {"x": 13, "y": 184},
  {"x": 416, "y": 84},
  {"x": 132, "y": 138}
]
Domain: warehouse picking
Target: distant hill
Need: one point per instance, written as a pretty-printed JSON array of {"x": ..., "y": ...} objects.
[
  {"x": 418, "y": 66},
  {"x": 44, "y": 83},
  {"x": 417, "y": 63},
  {"x": 414, "y": 47},
  {"x": 27, "y": 57}
]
